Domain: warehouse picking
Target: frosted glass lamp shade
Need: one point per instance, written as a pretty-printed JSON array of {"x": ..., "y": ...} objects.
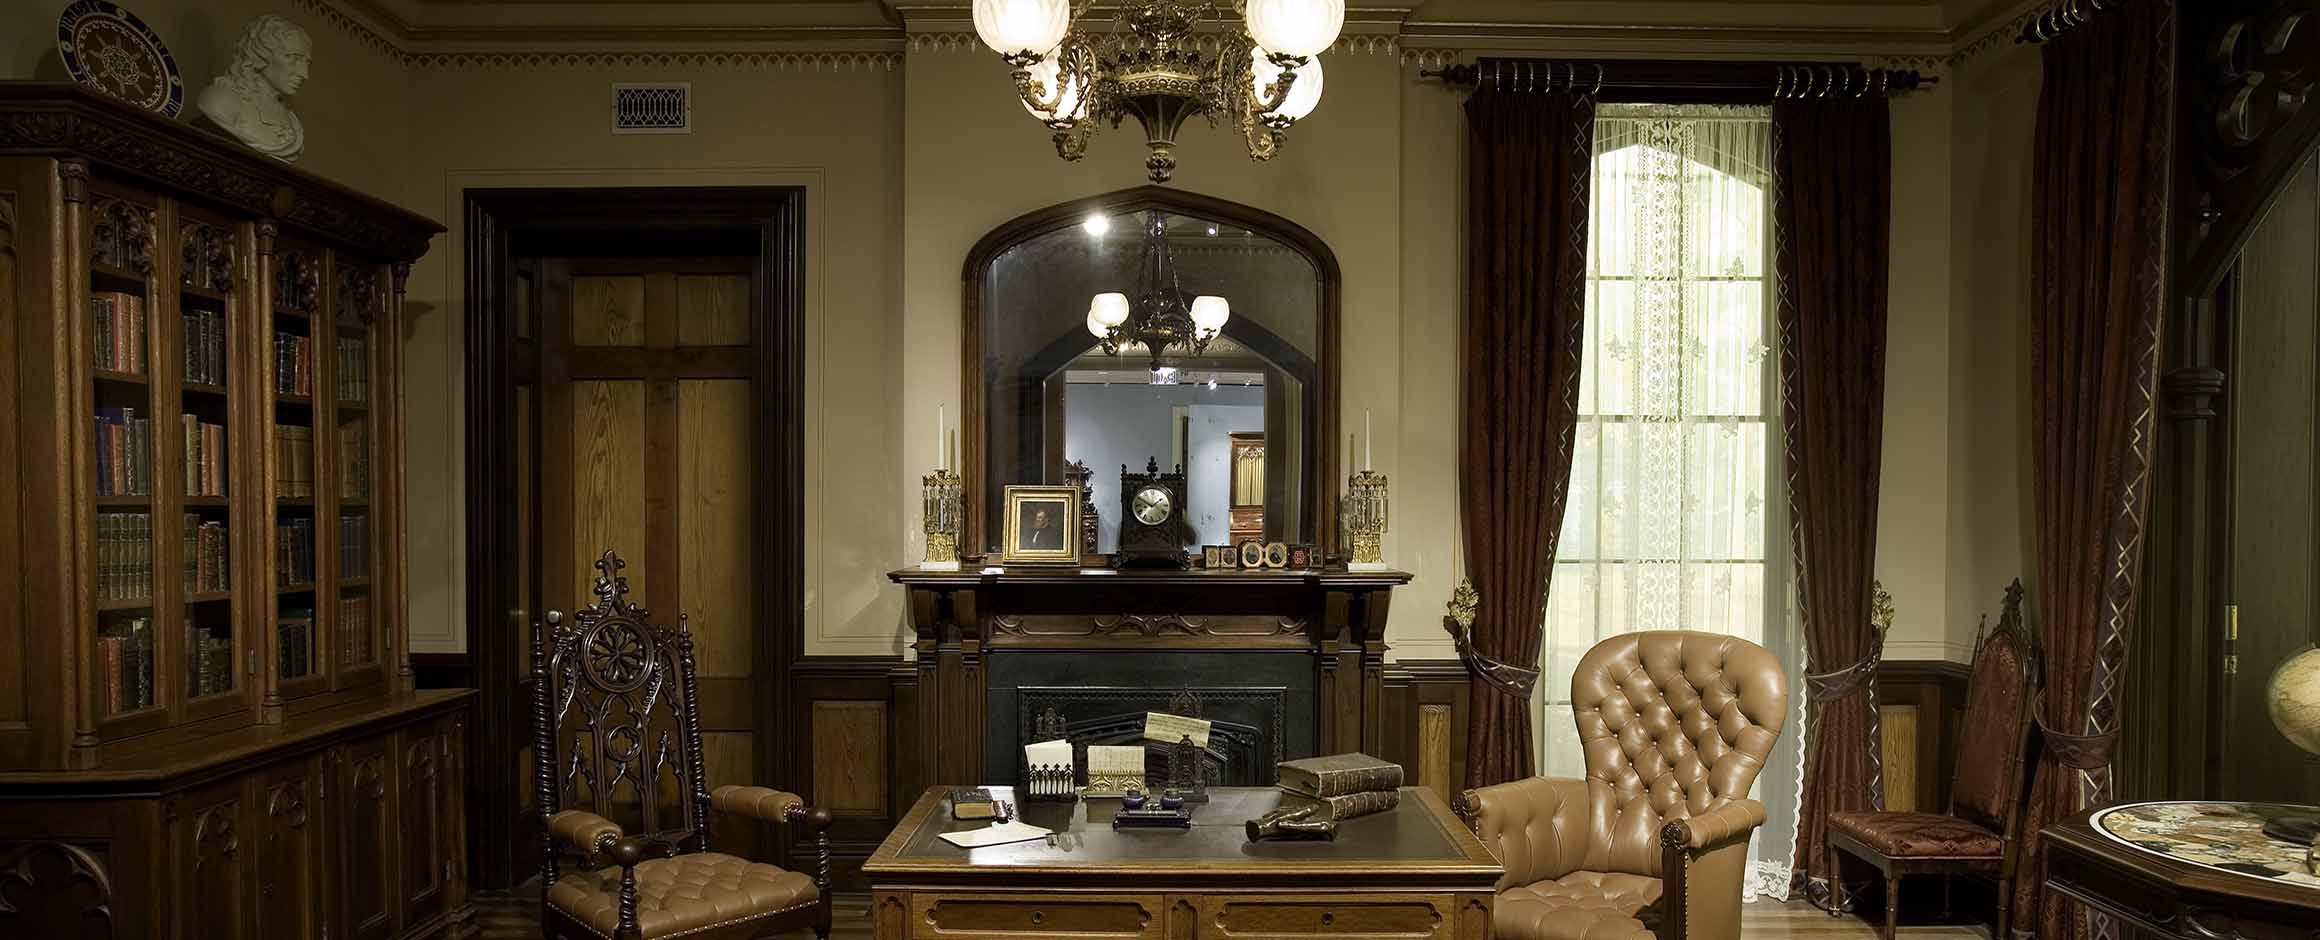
[
  {"x": 1022, "y": 27},
  {"x": 1210, "y": 311},
  {"x": 1108, "y": 309},
  {"x": 1300, "y": 28},
  {"x": 1304, "y": 93},
  {"x": 1096, "y": 327},
  {"x": 1071, "y": 105}
]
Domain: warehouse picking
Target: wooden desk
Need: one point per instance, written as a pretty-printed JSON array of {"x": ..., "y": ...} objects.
[
  {"x": 2169, "y": 881},
  {"x": 1415, "y": 872}
]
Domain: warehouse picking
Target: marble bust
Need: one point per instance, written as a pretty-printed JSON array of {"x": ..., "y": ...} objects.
[{"x": 269, "y": 65}]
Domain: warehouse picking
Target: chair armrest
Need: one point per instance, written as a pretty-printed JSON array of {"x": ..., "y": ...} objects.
[
  {"x": 584, "y": 832},
  {"x": 768, "y": 805},
  {"x": 1703, "y": 862},
  {"x": 1537, "y": 827},
  {"x": 1735, "y": 820}
]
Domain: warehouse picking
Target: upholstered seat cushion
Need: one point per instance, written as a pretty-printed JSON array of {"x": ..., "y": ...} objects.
[
  {"x": 1918, "y": 835},
  {"x": 1583, "y": 905},
  {"x": 678, "y": 895}
]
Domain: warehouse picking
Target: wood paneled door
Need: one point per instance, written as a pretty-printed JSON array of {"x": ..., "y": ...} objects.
[{"x": 646, "y": 450}]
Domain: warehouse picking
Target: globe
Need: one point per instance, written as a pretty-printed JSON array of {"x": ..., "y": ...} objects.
[{"x": 2293, "y": 697}]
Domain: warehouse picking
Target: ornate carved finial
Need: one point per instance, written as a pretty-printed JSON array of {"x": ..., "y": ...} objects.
[
  {"x": 1880, "y": 607},
  {"x": 1186, "y": 703},
  {"x": 1464, "y": 599},
  {"x": 611, "y": 588}
]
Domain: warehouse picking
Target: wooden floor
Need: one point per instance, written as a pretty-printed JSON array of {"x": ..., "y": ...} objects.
[{"x": 512, "y": 916}]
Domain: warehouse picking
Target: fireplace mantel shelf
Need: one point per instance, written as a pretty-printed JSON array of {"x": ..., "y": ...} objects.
[{"x": 1199, "y": 577}]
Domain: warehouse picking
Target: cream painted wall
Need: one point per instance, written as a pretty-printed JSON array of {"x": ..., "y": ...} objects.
[
  {"x": 1996, "y": 106},
  {"x": 833, "y": 128},
  {"x": 354, "y": 105}
]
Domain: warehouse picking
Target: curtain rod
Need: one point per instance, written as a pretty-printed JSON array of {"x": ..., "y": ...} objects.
[
  {"x": 1682, "y": 81},
  {"x": 2062, "y": 18}
]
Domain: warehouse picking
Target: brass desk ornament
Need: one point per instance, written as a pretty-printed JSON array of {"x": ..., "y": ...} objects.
[
  {"x": 1365, "y": 518},
  {"x": 942, "y": 516}
]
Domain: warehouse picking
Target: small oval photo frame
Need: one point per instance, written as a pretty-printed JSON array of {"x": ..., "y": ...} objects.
[
  {"x": 1252, "y": 554},
  {"x": 1277, "y": 555}
]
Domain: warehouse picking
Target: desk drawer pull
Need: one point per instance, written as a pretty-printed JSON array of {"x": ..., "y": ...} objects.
[
  {"x": 1327, "y": 918},
  {"x": 1037, "y": 917}
]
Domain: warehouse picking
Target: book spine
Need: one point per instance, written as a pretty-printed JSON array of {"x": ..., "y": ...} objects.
[
  {"x": 111, "y": 650},
  {"x": 1354, "y": 805},
  {"x": 1339, "y": 782}
]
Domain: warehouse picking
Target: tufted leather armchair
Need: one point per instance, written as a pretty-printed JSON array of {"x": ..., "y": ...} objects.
[
  {"x": 620, "y": 693},
  {"x": 1654, "y": 842}
]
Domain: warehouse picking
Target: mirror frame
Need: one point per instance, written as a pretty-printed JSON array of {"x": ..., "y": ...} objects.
[{"x": 1068, "y": 214}]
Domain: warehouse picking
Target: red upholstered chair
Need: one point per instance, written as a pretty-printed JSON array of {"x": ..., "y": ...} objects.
[
  {"x": 1655, "y": 841},
  {"x": 1977, "y": 836},
  {"x": 618, "y": 693}
]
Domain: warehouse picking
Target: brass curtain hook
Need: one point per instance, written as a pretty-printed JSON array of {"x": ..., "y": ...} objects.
[{"x": 1598, "y": 89}]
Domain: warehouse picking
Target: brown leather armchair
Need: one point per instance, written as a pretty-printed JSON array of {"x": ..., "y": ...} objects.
[
  {"x": 1654, "y": 841},
  {"x": 620, "y": 692}
]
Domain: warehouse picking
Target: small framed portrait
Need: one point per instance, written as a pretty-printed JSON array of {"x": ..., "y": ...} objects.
[
  {"x": 1301, "y": 557},
  {"x": 1042, "y": 526},
  {"x": 1220, "y": 556},
  {"x": 1252, "y": 554},
  {"x": 1276, "y": 554}
]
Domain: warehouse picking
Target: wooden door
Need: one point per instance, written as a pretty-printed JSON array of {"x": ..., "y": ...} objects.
[
  {"x": 647, "y": 440},
  {"x": 424, "y": 777},
  {"x": 289, "y": 858},
  {"x": 2273, "y": 394},
  {"x": 361, "y": 784},
  {"x": 210, "y": 824}
]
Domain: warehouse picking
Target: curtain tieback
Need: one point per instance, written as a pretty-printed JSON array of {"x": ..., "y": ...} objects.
[
  {"x": 2074, "y": 751},
  {"x": 1504, "y": 676},
  {"x": 1853, "y": 679}
]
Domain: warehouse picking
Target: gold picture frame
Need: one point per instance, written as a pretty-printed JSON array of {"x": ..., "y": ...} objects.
[{"x": 1027, "y": 542}]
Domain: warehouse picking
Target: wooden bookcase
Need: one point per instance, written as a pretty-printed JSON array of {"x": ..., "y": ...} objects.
[{"x": 202, "y": 539}]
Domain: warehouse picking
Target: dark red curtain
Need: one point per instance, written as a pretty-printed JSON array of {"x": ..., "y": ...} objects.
[
  {"x": 2099, "y": 251},
  {"x": 1832, "y": 183},
  {"x": 1528, "y": 156}
]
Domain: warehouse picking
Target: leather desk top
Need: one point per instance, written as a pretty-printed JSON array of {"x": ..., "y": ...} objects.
[{"x": 1420, "y": 841}]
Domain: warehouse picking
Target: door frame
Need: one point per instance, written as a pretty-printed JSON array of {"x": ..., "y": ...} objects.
[{"x": 503, "y": 847}]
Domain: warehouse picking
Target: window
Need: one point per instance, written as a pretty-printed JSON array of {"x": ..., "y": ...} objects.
[{"x": 1675, "y": 495}]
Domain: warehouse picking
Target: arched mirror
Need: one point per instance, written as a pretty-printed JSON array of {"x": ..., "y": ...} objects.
[{"x": 1064, "y": 309}]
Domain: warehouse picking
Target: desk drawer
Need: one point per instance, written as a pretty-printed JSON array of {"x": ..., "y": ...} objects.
[
  {"x": 1007, "y": 917},
  {"x": 1259, "y": 917}
]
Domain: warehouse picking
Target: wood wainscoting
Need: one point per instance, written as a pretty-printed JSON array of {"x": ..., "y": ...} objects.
[{"x": 1920, "y": 704}]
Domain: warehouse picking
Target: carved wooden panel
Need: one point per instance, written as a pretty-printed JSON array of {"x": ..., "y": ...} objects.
[
  {"x": 289, "y": 852},
  {"x": 206, "y": 255},
  {"x": 1898, "y": 724},
  {"x": 213, "y": 900},
  {"x": 1268, "y": 916},
  {"x": 713, "y": 530},
  {"x": 298, "y": 280},
  {"x": 849, "y": 742},
  {"x": 426, "y": 863},
  {"x": 608, "y": 485},
  {"x": 365, "y": 837},
  {"x": 1434, "y": 750},
  {"x": 53, "y": 889},
  {"x": 1002, "y": 917},
  {"x": 121, "y": 234}
]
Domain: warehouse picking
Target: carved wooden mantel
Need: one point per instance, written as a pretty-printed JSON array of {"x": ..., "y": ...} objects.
[{"x": 960, "y": 616}]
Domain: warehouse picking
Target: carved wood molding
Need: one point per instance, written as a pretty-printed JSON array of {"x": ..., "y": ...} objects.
[
  {"x": 2247, "y": 122},
  {"x": 1224, "y": 630},
  {"x": 54, "y": 889},
  {"x": 62, "y": 120}
]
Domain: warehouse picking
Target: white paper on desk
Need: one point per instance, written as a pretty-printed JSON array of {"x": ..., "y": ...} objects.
[
  {"x": 1048, "y": 754},
  {"x": 1169, "y": 729},
  {"x": 999, "y": 834}
]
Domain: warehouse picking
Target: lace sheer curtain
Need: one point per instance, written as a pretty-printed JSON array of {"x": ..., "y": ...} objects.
[{"x": 1673, "y": 521}]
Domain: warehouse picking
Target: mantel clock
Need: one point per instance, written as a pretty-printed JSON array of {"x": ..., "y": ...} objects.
[{"x": 1152, "y": 527}]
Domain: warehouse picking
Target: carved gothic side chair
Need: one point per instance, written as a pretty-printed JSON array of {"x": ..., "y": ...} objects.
[
  {"x": 1978, "y": 836},
  {"x": 1653, "y": 844},
  {"x": 618, "y": 740}
]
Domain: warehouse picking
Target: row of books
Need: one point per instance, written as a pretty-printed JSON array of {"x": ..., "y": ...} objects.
[
  {"x": 119, "y": 337},
  {"x": 123, "y": 441},
  {"x": 124, "y": 555},
  {"x": 205, "y": 556},
  {"x": 294, "y": 641},
  {"x": 1348, "y": 785},
  {"x": 212, "y": 661},
  {"x": 354, "y": 460},
  {"x": 205, "y": 346},
  {"x": 354, "y": 627},
  {"x": 205, "y": 457},
  {"x": 354, "y": 545},
  {"x": 354, "y": 371},
  {"x": 293, "y": 461},
  {"x": 293, "y": 364},
  {"x": 125, "y": 654},
  {"x": 294, "y": 552}
]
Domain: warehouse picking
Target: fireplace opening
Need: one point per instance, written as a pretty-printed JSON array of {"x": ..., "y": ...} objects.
[{"x": 1262, "y": 705}]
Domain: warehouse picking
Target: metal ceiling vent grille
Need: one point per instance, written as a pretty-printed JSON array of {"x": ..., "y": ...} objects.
[{"x": 652, "y": 108}]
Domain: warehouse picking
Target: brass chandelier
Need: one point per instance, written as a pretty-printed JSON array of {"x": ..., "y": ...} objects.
[
  {"x": 1160, "y": 316},
  {"x": 1263, "y": 79}
]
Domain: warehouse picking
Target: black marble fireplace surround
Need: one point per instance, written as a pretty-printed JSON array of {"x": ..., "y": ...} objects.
[{"x": 1263, "y": 704}]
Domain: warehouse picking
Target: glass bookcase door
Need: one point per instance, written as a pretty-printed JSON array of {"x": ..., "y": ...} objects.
[
  {"x": 297, "y": 319},
  {"x": 358, "y": 301},
  {"x": 129, "y": 689},
  {"x": 207, "y": 324}
]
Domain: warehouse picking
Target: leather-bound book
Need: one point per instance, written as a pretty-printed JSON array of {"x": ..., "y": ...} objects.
[
  {"x": 1338, "y": 775},
  {"x": 1353, "y": 805}
]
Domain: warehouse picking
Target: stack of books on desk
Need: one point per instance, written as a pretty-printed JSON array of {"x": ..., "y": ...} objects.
[{"x": 1349, "y": 785}]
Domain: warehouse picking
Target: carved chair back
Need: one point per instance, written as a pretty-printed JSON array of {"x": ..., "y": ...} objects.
[
  {"x": 2001, "y": 690},
  {"x": 616, "y": 728}
]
